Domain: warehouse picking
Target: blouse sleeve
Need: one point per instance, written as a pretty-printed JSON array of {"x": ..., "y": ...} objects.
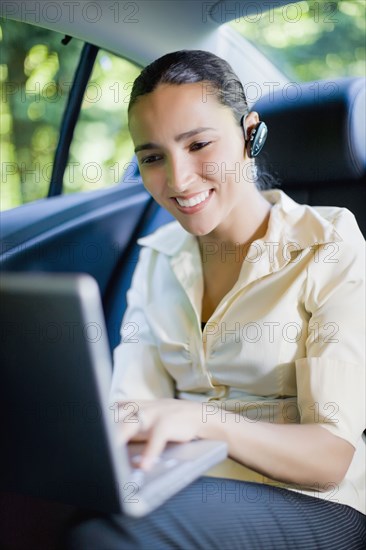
[
  {"x": 138, "y": 371},
  {"x": 331, "y": 378}
]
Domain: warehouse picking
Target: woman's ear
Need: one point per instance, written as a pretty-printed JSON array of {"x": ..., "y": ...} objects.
[{"x": 249, "y": 122}]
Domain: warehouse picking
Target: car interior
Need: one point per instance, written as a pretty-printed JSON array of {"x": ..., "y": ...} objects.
[{"x": 318, "y": 127}]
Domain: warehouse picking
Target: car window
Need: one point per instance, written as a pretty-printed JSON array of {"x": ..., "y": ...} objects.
[
  {"x": 101, "y": 147},
  {"x": 308, "y": 40},
  {"x": 36, "y": 73}
]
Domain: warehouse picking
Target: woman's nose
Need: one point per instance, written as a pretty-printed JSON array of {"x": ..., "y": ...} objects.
[{"x": 179, "y": 175}]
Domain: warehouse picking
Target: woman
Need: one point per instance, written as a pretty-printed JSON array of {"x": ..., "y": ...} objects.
[{"x": 246, "y": 332}]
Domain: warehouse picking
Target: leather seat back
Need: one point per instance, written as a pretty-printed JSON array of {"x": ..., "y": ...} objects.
[{"x": 316, "y": 144}]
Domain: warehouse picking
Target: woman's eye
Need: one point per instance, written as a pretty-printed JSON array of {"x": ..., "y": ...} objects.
[
  {"x": 150, "y": 159},
  {"x": 199, "y": 145}
]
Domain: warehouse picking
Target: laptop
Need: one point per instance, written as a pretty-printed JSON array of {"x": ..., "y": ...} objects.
[{"x": 57, "y": 430}]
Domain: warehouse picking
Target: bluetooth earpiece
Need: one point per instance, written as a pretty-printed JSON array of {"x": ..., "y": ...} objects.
[{"x": 257, "y": 137}]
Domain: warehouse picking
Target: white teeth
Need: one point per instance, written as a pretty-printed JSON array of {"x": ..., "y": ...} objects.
[{"x": 194, "y": 200}]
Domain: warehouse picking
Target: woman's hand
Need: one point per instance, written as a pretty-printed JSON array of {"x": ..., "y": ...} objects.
[{"x": 158, "y": 422}]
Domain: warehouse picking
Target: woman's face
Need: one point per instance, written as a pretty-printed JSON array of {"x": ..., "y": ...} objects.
[{"x": 190, "y": 150}]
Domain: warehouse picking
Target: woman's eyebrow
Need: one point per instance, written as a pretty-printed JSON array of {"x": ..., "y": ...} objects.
[
  {"x": 191, "y": 133},
  {"x": 177, "y": 138}
]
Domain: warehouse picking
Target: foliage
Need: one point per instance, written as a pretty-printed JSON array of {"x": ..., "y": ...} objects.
[
  {"x": 311, "y": 39},
  {"x": 36, "y": 74},
  {"x": 36, "y": 71},
  {"x": 101, "y": 133}
]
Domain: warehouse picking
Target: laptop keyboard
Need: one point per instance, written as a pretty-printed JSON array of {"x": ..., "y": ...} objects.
[{"x": 159, "y": 466}]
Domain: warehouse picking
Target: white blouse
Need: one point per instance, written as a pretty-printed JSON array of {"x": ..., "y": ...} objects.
[{"x": 286, "y": 344}]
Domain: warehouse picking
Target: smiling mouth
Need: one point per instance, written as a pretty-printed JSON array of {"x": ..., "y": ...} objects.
[{"x": 193, "y": 201}]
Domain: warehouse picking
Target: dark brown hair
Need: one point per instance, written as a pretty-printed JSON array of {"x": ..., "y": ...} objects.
[{"x": 189, "y": 66}]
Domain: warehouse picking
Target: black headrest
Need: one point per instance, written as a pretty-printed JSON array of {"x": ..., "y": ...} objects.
[{"x": 317, "y": 131}]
